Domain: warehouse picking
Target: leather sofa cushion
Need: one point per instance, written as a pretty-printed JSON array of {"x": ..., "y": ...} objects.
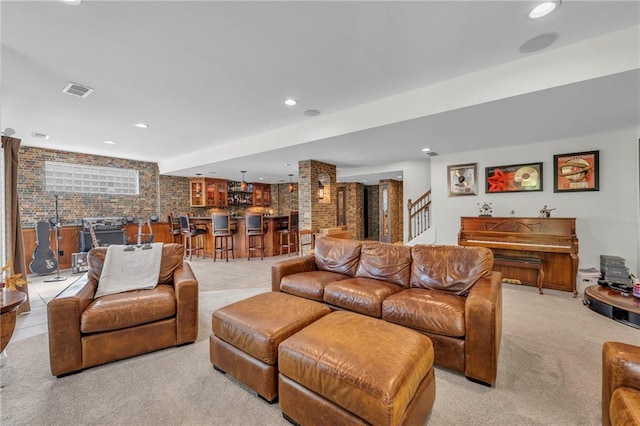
[
  {"x": 309, "y": 285},
  {"x": 361, "y": 295},
  {"x": 128, "y": 309},
  {"x": 337, "y": 255},
  {"x": 172, "y": 258},
  {"x": 366, "y": 366},
  {"x": 433, "y": 311},
  {"x": 624, "y": 407},
  {"x": 449, "y": 268},
  {"x": 386, "y": 262}
]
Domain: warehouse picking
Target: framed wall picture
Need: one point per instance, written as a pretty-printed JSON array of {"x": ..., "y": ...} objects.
[
  {"x": 462, "y": 179},
  {"x": 578, "y": 171},
  {"x": 514, "y": 178}
]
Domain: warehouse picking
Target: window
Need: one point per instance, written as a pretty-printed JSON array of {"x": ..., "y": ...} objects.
[{"x": 64, "y": 177}]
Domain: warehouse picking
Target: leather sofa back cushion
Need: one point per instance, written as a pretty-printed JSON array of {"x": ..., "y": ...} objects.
[
  {"x": 449, "y": 268},
  {"x": 172, "y": 255},
  {"x": 386, "y": 262},
  {"x": 337, "y": 255}
]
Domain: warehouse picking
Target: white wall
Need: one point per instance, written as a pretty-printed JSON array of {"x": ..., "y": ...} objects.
[{"x": 607, "y": 221}]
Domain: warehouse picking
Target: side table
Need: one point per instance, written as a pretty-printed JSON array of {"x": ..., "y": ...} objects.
[
  {"x": 612, "y": 304},
  {"x": 11, "y": 300}
]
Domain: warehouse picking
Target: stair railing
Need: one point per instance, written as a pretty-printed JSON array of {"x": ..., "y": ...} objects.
[{"x": 419, "y": 215}]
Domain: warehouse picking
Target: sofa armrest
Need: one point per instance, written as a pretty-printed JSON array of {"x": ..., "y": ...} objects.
[
  {"x": 289, "y": 267},
  {"x": 63, "y": 318},
  {"x": 483, "y": 323},
  {"x": 620, "y": 368},
  {"x": 186, "y": 288}
]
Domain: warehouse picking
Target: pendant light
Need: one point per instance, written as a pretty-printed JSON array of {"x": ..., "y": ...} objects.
[
  {"x": 290, "y": 183},
  {"x": 243, "y": 184}
]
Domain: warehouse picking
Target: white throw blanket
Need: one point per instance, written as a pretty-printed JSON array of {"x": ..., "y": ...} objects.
[{"x": 129, "y": 270}]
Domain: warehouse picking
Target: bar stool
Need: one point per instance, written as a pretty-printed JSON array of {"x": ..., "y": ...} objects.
[
  {"x": 222, "y": 235},
  {"x": 189, "y": 232},
  {"x": 306, "y": 240},
  {"x": 289, "y": 236},
  {"x": 255, "y": 231},
  {"x": 174, "y": 229}
]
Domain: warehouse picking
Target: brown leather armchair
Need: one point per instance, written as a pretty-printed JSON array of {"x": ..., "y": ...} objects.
[
  {"x": 620, "y": 384},
  {"x": 85, "y": 332}
]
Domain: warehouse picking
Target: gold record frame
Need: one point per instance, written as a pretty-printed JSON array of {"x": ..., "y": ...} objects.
[{"x": 462, "y": 179}]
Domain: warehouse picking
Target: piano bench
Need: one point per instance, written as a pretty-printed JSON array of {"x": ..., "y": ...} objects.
[{"x": 523, "y": 262}]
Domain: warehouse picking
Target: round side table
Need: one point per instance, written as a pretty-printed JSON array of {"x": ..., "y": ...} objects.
[{"x": 11, "y": 300}]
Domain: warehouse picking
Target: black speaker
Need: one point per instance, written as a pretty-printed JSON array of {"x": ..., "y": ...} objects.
[{"x": 105, "y": 238}]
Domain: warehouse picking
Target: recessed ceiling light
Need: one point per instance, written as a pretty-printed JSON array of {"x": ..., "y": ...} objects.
[
  {"x": 71, "y": 2},
  {"x": 198, "y": 174},
  {"x": 287, "y": 164},
  {"x": 260, "y": 178},
  {"x": 426, "y": 149},
  {"x": 399, "y": 176},
  {"x": 142, "y": 125},
  {"x": 110, "y": 142},
  {"x": 290, "y": 102},
  {"x": 543, "y": 9}
]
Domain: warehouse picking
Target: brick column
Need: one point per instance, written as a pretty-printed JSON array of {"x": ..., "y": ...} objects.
[{"x": 314, "y": 213}]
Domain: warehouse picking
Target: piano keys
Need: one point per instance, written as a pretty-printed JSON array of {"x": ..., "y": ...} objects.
[{"x": 551, "y": 240}]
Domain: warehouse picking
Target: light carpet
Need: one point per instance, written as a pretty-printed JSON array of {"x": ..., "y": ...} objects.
[{"x": 549, "y": 374}]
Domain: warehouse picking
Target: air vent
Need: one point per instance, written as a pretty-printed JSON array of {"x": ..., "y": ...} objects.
[
  {"x": 432, "y": 154},
  {"x": 78, "y": 90},
  {"x": 40, "y": 135}
]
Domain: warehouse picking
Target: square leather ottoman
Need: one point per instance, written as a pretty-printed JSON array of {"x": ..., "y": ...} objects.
[
  {"x": 348, "y": 368},
  {"x": 246, "y": 335}
]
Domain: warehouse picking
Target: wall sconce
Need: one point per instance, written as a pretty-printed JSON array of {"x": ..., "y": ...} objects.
[
  {"x": 290, "y": 183},
  {"x": 243, "y": 184},
  {"x": 320, "y": 190}
]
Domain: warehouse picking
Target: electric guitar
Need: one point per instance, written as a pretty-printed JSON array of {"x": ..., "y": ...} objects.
[
  {"x": 140, "y": 222},
  {"x": 44, "y": 261},
  {"x": 94, "y": 239}
]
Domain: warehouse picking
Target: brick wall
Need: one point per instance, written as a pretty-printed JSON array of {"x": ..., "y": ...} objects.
[
  {"x": 158, "y": 194},
  {"x": 283, "y": 201},
  {"x": 373, "y": 212},
  {"x": 355, "y": 209}
]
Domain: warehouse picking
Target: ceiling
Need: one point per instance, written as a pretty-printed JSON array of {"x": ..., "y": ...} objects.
[{"x": 388, "y": 78}]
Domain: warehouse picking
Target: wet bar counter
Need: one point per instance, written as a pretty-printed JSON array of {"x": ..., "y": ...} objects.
[{"x": 238, "y": 225}]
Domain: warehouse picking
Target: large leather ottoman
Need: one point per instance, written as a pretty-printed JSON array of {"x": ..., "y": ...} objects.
[
  {"x": 246, "y": 335},
  {"x": 348, "y": 368}
]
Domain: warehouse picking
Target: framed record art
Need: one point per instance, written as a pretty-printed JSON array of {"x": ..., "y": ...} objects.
[
  {"x": 514, "y": 178},
  {"x": 462, "y": 180},
  {"x": 578, "y": 171}
]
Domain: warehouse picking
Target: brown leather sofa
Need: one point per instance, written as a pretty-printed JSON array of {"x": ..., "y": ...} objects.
[
  {"x": 85, "y": 332},
  {"x": 620, "y": 384},
  {"x": 448, "y": 293}
]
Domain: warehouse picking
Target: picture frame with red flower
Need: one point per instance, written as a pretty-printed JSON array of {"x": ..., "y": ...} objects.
[{"x": 525, "y": 177}]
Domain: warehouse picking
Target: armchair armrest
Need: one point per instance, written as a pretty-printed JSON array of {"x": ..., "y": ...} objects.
[
  {"x": 483, "y": 323},
  {"x": 289, "y": 267},
  {"x": 620, "y": 368},
  {"x": 63, "y": 317},
  {"x": 186, "y": 289}
]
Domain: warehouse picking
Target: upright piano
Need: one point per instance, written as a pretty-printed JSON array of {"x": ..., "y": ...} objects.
[{"x": 550, "y": 241}]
